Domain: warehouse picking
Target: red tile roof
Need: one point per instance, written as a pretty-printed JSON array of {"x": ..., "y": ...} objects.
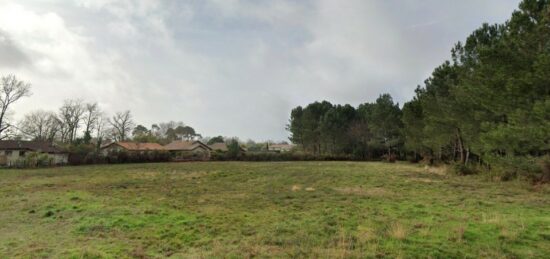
[
  {"x": 219, "y": 147},
  {"x": 135, "y": 146},
  {"x": 185, "y": 145}
]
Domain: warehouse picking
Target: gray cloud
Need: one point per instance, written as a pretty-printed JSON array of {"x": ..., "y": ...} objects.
[
  {"x": 10, "y": 54},
  {"x": 232, "y": 67}
]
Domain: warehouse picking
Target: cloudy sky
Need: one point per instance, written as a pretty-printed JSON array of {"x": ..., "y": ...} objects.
[{"x": 229, "y": 67}]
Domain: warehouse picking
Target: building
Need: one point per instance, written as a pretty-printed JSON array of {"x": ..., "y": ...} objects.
[
  {"x": 130, "y": 147},
  {"x": 222, "y": 147},
  {"x": 280, "y": 147},
  {"x": 188, "y": 150},
  {"x": 15, "y": 152},
  {"x": 219, "y": 147}
]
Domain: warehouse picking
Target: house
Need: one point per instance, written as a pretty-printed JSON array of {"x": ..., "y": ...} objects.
[
  {"x": 219, "y": 147},
  {"x": 130, "y": 147},
  {"x": 222, "y": 147},
  {"x": 13, "y": 152},
  {"x": 280, "y": 147},
  {"x": 188, "y": 150}
]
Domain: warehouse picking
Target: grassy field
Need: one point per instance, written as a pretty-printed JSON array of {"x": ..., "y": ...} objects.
[{"x": 296, "y": 209}]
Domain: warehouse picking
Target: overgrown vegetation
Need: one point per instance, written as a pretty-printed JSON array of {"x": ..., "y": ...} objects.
[
  {"x": 275, "y": 156},
  {"x": 33, "y": 160},
  {"x": 488, "y": 107},
  {"x": 243, "y": 210}
]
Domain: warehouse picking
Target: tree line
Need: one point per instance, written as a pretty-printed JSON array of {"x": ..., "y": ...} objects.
[
  {"x": 489, "y": 105},
  {"x": 77, "y": 122},
  {"x": 366, "y": 132}
]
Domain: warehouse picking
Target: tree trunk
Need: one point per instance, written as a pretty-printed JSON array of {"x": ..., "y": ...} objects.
[
  {"x": 545, "y": 165},
  {"x": 455, "y": 147},
  {"x": 461, "y": 148}
]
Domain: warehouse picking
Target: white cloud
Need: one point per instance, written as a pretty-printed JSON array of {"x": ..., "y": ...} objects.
[
  {"x": 63, "y": 63},
  {"x": 230, "y": 67}
]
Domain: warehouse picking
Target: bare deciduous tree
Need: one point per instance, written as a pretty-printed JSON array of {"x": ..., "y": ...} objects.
[
  {"x": 11, "y": 90},
  {"x": 91, "y": 116},
  {"x": 39, "y": 125},
  {"x": 70, "y": 114},
  {"x": 101, "y": 129},
  {"x": 122, "y": 125}
]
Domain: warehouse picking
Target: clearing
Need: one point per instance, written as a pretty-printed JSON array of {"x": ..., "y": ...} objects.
[{"x": 294, "y": 209}]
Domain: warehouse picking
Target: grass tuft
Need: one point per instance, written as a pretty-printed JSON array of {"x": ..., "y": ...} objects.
[{"x": 397, "y": 231}]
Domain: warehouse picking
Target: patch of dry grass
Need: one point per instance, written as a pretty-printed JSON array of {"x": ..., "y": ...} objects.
[
  {"x": 366, "y": 234},
  {"x": 373, "y": 192},
  {"x": 397, "y": 231},
  {"x": 437, "y": 170}
]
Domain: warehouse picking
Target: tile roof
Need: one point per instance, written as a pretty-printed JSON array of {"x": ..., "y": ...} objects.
[
  {"x": 135, "y": 146},
  {"x": 219, "y": 146},
  {"x": 37, "y": 146},
  {"x": 185, "y": 145}
]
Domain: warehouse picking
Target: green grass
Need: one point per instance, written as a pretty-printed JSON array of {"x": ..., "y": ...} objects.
[{"x": 295, "y": 209}]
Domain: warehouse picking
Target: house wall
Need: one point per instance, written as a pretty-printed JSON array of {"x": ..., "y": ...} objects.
[
  {"x": 202, "y": 151},
  {"x": 110, "y": 149},
  {"x": 60, "y": 159},
  {"x": 8, "y": 157},
  {"x": 11, "y": 157}
]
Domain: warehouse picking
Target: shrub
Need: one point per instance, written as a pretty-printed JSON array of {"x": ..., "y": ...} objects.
[
  {"x": 276, "y": 156},
  {"x": 43, "y": 160},
  {"x": 462, "y": 169},
  {"x": 391, "y": 158},
  {"x": 33, "y": 160},
  {"x": 137, "y": 157},
  {"x": 94, "y": 158},
  {"x": 545, "y": 169},
  {"x": 512, "y": 167},
  {"x": 413, "y": 158},
  {"x": 233, "y": 149}
]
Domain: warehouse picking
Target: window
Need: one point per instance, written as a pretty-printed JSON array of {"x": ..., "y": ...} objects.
[{"x": 22, "y": 153}]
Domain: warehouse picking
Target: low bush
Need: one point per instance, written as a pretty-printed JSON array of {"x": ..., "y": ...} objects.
[
  {"x": 391, "y": 158},
  {"x": 545, "y": 169},
  {"x": 276, "y": 156},
  {"x": 119, "y": 157},
  {"x": 413, "y": 158},
  {"x": 137, "y": 157},
  {"x": 462, "y": 169},
  {"x": 33, "y": 160},
  {"x": 514, "y": 167}
]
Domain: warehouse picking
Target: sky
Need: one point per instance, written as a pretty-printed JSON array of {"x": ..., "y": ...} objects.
[{"x": 229, "y": 67}]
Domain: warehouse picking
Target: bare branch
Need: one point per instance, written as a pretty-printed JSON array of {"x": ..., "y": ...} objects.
[{"x": 11, "y": 90}]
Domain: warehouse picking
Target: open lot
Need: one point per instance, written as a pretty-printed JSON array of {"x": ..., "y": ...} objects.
[{"x": 295, "y": 209}]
